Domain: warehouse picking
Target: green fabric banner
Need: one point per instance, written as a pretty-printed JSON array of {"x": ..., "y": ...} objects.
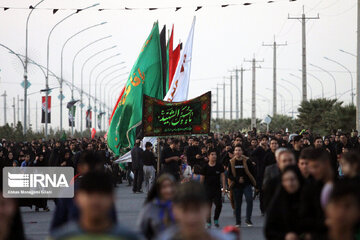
[{"x": 145, "y": 78}]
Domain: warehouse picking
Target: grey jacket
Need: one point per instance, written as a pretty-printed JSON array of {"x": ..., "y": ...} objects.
[
  {"x": 149, "y": 222},
  {"x": 271, "y": 172}
]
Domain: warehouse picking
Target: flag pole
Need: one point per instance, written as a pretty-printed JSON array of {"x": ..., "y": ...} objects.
[{"x": 158, "y": 159}]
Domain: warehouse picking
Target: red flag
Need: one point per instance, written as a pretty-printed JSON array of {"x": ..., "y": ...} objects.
[
  {"x": 43, "y": 109},
  {"x": 117, "y": 102},
  {"x": 174, "y": 62},
  {"x": 93, "y": 132}
]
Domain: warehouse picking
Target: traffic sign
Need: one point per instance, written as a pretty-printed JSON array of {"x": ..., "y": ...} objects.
[
  {"x": 28, "y": 84},
  {"x": 61, "y": 96},
  {"x": 267, "y": 120}
]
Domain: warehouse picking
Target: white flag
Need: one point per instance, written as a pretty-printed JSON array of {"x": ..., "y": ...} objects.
[{"x": 179, "y": 88}]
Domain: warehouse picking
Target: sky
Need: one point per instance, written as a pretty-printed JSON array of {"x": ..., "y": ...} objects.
[{"x": 224, "y": 39}]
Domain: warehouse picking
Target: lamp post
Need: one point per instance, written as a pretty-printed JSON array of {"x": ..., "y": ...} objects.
[
  {"x": 322, "y": 86},
  {"x": 357, "y": 57},
  {"x": 292, "y": 99},
  {"x": 349, "y": 53},
  {"x": 308, "y": 84},
  {"x": 90, "y": 77},
  {"x": 351, "y": 77},
  {"x": 48, "y": 62},
  {"x": 265, "y": 99},
  {"x": 62, "y": 63},
  {"x": 332, "y": 76},
  {"x": 112, "y": 87},
  {"x": 115, "y": 89},
  {"x": 26, "y": 62},
  {"x": 102, "y": 81},
  {"x": 107, "y": 84},
  {"x": 73, "y": 66},
  {"x": 96, "y": 79},
  {"x": 282, "y": 99},
  {"x": 292, "y": 85},
  {"x": 82, "y": 78}
]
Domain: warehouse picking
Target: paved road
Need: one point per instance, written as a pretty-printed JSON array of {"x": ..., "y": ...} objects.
[{"x": 128, "y": 206}]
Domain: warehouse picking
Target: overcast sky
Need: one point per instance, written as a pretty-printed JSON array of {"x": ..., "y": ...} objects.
[{"x": 223, "y": 38}]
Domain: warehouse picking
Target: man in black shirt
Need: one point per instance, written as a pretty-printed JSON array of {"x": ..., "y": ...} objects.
[
  {"x": 241, "y": 174},
  {"x": 137, "y": 166},
  {"x": 193, "y": 153},
  {"x": 212, "y": 176},
  {"x": 149, "y": 166},
  {"x": 258, "y": 156},
  {"x": 298, "y": 146},
  {"x": 171, "y": 159}
]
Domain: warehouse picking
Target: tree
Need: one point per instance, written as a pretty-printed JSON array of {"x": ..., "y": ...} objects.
[
  {"x": 346, "y": 120},
  {"x": 226, "y": 125},
  {"x": 283, "y": 122},
  {"x": 323, "y": 116}
]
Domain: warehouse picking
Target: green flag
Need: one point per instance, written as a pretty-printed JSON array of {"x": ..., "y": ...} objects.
[{"x": 145, "y": 78}]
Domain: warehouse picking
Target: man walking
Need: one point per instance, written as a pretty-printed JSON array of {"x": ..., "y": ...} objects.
[
  {"x": 137, "y": 166},
  {"x": 212, "y": 176},
  {"x": 241, "y": 173},
  {"x": 171, "y": 159},
  {"x": 149, "y": 166}
]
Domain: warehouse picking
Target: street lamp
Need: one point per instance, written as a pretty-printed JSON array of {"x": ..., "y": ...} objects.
[
  {"x": 265, "y": 99},
  {"x": 48, "y": 61},
  {"x": 352, "y": 80},
  {"x": 96, "y": 79},
  {"x": 292, "y": 99},
  {"x": 349, "y": 53},
  {"x": 282, "y": 100},
  {"x": 292, "y": 85},
  {"x": 107, "y": 84},
  {"x": 322, "y": 86},
  {"x": 73, "y": 67},
  {"x": 102, "y": 81},
  {"x": 62, "y": 63},
  {"x": 82, "y": 78},
  {"x": 311, "y": 92},
  {"x": 92, "y": 71},
  {"x": 357, "y": 73},
  {"x": 114, "y": 88},
  {"x": 26, "y": 61},
  {"x": 332, "y": 76}
]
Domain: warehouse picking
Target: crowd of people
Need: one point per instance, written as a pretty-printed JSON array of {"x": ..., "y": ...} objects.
[{"x": 308, "y": 186}]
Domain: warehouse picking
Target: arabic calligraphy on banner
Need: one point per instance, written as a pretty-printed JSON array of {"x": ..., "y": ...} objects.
[{"x": 162, "y": 118}]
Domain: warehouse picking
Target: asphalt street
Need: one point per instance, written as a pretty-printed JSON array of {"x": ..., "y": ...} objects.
[{"x": 128, "y": 205}]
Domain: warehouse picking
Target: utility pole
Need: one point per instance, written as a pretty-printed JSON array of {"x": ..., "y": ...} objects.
[
  {"x": 358, "y": 69},
  {"x": 18, "y": 109},
  {"x": 274, "y": 45},
  {"x": 253, "y": 94},
  {"x": 224, "y": 100},
  {"x": 242, "y": 91},
  {"x": 217, "y": 102},
  {"x": 14, "y": 111},
  {"x": 231, "y": 97},
  {"x": 237, "y": 93},
  {"x": 303, "y": 19},
  {"x": 4, "y": 95},
  {"x": 29, "y": 113},
  {"x": 36, "y": 117},
  {"x": 242, "y": 70}
]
